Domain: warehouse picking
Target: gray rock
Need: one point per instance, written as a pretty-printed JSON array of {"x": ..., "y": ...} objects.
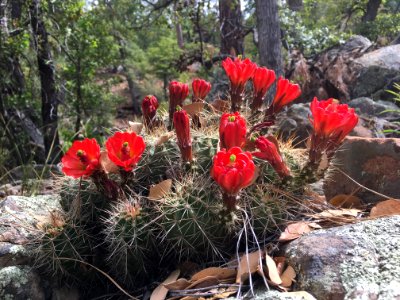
[
  {"x": 358, "y": 261},
  {"x": 367, "y": 106},
  {"x": 20, "y": 283},
  {"x": 373, "y": 163}
]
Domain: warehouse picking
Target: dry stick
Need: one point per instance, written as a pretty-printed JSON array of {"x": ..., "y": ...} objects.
[
  {"x": 362, "y": 186},
  {"x": 103, "y": 273}
]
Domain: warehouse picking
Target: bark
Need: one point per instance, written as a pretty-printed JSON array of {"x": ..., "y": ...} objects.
[
  {"x": 47, "y": 76},
  {"x": 372, "y": 10},
  {"x": 269, "y": 35},
  {"x": 231, "y": 29},
  {"x": 178, "y": 29}
]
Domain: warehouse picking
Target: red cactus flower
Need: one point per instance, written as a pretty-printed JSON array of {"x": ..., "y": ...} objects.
[
  {"x": 177, "y": 94},
  {"x": 232, "y": 130},
  {"x": 182, "y": 128},
  {"x": 149, "y": 109},
  {"x": 263, "y": 78},
  {"x": 82, "y": 159},
  {"x": 239, "y": 71},
  {"x": 233, "y": 170},
  {"x": 125, "y": 149},
  {"x": 331, "y": 123},
  {"x": 270, "y": 152},
  {"x": 200, "y": 89},
  {"x": 286, "y": 92}
]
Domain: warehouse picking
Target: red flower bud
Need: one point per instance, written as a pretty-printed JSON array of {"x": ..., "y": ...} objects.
[
  {"x": 286, "y": 92},
  {"x": 263, "y": 78},
  {"x": 239, "y": 72},
  {"x": 177, "y": 94},
  {"x": 270, "y": 152},
  {"x": 331, "y": 123},
  {"x": 200, "y": 88},
  {"x": 232, "y": 130},
  {"x": 125, "y": 149},
  {"x": 149, "y": 109},
  {"x": 82, "y": 159},
  {"x": 233, "y": 170},
  {"x": 182, "y": 128}
]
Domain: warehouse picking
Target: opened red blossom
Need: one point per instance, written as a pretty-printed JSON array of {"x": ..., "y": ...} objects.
[
  {"x": 200, "y": 89},
  {"x": 263, "y": 78},
  {"x": 182, "y": 128},
  {"x": 233, "y": 170},
  {"x": 82, "y": 159},
  {"x": 269, "y": 151},
  {"x": 125, "y": 149},
  {"x": 232, "y": 130},
  {"x": 331, "y": 122},
  {"x": 286, "y": 92}
]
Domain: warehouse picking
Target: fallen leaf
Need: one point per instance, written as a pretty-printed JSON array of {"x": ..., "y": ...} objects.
[
  {"x": 248, "y": 265},
  {"x": 314, "y": 225},
  {"x": 288, "y": 276},
  {"x": 280, "y": 263},
  {"x": 386, "y": 208},
  {"x": 350, "y": 212},
  {"x": 135, "y": 127},
  {"x": 194, "y": 108},
  {"x": 179, "y": 284},
  {"x": 346, "y": 201},
  {"x": 204, "y": 282},
  {"x": 273, "y": 272},
  {"x": 107, "y": 165},
  {"x": 294, "y": 231},
  {"x": 164, "y": 138},
  {"x": 221, "y": 105},
  {"x": 159, "y": 190},
  {"x": 220, "y": 273},
  {"x": 160, "y": 292},
  {"x": 298, "y": 295}
]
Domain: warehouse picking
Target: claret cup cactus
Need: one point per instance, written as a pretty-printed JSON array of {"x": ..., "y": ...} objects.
[{"x": 223, "y": 177}]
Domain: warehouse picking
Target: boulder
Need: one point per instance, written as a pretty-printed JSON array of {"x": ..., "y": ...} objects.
[
  {"x": 357, "y": 261},
  {"x": 20, "y": 219},
  {"x": 372, "y": 162}
]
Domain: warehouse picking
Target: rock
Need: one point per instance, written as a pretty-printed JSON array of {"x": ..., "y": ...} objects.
[
  {"x": 19, "y": 220},
  {"x": 376, "y": 71},
  {"x": 368, "y": 107},
  {"x": 372, "y": 162},
  {"x": 20, "y": 283},
  {"x": 358, "y": 261}
]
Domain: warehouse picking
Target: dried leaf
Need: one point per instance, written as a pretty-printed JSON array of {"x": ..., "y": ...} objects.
[
  {"x": 221, "y": 105},
  {"x": 164, "y": 138},
  {"x": 220, "y": 273},
  {"x": 248, "y": 265},
  {"x": 298, "y": 295},
  {"x": 179, "y": 284},
  {"x": 288, "y": 277},
  {"x": 135, "y": 127},
  {"x": 294, "y": 231},
  {"x": 204, "y": 282},
  {"x": 194, "y": 108},
  {"x": 280, "y": 263},
  {"x": 161, "y": 189},
  {"x": 160, "y": 292},
  {"x": 273, "y": 272},
  {"x": 107, "y": 165},
  {"x": 330, "y": 213},
  {"x": 386, "y": 208},
  {"x": 346, "y": 201}
]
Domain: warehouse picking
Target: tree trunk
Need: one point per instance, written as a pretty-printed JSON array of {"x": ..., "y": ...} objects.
[
  {"x": 178, "y": 29},
  {"x": 269, "y": 35},
  {"x": 47, "y": 76},
  {"x": 230, "y": 18},
  {"x": 372, "y": 10}
]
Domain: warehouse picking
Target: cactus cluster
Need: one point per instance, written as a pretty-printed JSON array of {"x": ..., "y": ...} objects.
[{"x": 111, "y": 222}]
